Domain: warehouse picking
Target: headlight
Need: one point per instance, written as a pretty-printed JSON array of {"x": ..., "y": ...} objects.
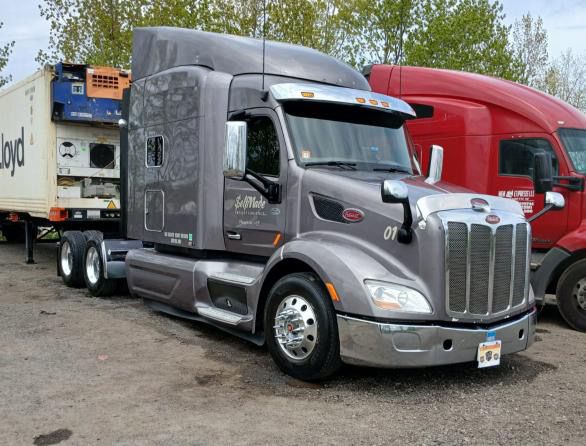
[{"x": 390, "y": 296}]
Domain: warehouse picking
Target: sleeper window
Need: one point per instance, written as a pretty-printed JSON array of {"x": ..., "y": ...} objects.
[
  {"x": 517, "y": 156},
  {"x": 263, "y": 147},
  {"x": 154, "y": 151}
]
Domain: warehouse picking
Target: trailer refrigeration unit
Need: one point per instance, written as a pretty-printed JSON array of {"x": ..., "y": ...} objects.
[
  {"x": 60, "y": 150},
  {"x": 492, "y": 130},
  {"x": 285, "y": 206}
]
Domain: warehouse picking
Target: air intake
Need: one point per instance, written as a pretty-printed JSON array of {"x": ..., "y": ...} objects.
[{"x": 329, "y": 209}]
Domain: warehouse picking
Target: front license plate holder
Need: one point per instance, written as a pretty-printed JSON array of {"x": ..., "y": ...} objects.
[{"x": 489, "y": 354}]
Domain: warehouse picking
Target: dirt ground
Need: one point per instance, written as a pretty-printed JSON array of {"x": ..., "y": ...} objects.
[{"x": 79, "y": 370}]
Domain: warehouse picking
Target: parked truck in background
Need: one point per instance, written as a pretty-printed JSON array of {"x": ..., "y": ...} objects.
[
  {"x": 283, "y": 204},
  {"x": 491, "y": 130},
  {"x": 60, "y": 150}
]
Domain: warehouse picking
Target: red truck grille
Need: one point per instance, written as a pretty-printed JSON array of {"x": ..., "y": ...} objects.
[{"x": 487, "y": 268}]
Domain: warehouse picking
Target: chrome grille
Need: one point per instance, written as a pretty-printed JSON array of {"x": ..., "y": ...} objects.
[{"x": 486, "y": 268}]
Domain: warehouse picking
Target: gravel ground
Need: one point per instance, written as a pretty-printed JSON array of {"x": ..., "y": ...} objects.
[{"x": 79, "y": 370}]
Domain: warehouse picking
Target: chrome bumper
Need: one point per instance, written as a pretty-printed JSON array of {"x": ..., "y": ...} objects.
[{"x": 394, "y": 345}]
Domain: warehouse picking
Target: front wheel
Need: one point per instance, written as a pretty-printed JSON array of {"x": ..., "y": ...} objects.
[
  {"x": 571, "y": 295},
  {"x": 301, "y": 329},
  {"x": 93, "y": 271}
]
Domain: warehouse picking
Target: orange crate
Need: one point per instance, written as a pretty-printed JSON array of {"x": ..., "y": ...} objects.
[{"x": 106, "y": 82}]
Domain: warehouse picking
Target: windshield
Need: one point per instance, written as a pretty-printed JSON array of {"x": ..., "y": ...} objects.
[
  {"x": 574, "y": 141},
  {"x": 348, "y": 136}
]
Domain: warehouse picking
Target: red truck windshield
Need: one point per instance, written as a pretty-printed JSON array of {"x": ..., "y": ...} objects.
[
  {"x": 574, "y": 141},
  {"x": 360, "y": 137}
]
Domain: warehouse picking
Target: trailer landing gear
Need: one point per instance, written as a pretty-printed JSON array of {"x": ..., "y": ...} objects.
[{"x": 30, "y": 236}]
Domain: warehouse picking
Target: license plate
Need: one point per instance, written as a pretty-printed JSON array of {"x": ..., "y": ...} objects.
[
  {"x": 489, "y": 354},
  {"x": 93, "y": 213}
]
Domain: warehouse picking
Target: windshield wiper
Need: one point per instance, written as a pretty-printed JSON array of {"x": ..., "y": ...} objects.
[
  {"x": 350, "y": 166},
  {"x": 391, "y": 169}
]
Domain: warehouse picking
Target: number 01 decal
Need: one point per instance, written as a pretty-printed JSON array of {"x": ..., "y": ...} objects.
[{"x": 390, "y": 233}]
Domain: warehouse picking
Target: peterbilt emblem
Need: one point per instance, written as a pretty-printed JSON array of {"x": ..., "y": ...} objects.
[
  {"x": 480, "y": 205},
  {"x": 353, "y": 215},
  {"x": 493, "y": 219}
]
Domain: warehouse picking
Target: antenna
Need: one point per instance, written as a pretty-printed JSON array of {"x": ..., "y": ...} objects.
[{"x": 264, "y": 23}]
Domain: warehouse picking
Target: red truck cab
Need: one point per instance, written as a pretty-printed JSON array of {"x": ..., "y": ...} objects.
[{"x": 491, "y": 130}]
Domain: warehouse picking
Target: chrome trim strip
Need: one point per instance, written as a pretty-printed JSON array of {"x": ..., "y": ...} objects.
[
  {"x": 339, "y": 95},
  {"x": 513, "y": 256},
  {"x": 491, "y": 261},
  {"x": 441, "y": 202}
]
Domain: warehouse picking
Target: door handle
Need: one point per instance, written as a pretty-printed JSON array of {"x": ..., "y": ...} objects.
[{"x": 233, "y": 235}]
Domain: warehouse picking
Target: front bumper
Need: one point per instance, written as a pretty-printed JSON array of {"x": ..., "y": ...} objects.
[{"x": 378, "y": 344}]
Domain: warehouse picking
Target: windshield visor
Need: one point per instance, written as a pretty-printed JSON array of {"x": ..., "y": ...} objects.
[
  {"x": 330, "y": 133},
  {"x": 574, "y": 141}
]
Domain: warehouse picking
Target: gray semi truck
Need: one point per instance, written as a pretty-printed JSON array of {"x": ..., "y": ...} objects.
[{"x": 267, "y": 191}]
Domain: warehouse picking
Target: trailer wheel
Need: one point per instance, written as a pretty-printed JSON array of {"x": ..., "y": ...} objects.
[
  {"x": 571, "y": 295},
  {"x": 93, "y": 271},
  {"x": 301, "y": 329},
  {"x": 70, "y": 258}
]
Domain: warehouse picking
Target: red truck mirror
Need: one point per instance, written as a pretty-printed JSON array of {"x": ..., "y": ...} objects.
[{"x": 542, "y": 172}]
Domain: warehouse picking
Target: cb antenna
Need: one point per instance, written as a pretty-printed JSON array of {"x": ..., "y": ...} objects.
[{"x": 264, "y": 23}]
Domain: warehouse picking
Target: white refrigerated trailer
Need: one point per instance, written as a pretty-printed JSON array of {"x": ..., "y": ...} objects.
[{"x": 60, "y": 152}]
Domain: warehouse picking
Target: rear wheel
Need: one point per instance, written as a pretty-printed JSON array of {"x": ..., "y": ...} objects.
[
  {"x": 70, "y": 258},
  {"x": 301, "y": 328},
  {"x": 571, "y": 295},
  {"x": 95, "y": 281}
]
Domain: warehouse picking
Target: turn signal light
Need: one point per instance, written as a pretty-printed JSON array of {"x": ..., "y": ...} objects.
[
  {"x": 57, "y": 214},
  {"x": 333, "y": 294}
]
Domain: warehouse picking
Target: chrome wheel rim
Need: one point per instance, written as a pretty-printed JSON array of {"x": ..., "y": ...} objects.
[
  {"x": 92, "y": 265},
  {"x": 66, "y": 259},
  {"x": 580, "y": 293},
  {"x": 295, "y": 327}
]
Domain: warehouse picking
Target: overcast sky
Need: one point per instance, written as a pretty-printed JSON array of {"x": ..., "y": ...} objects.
[{"x": 565, "y": 21}]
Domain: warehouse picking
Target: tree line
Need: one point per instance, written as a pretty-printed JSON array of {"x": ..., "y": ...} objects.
[{"x": 469, "y": 35}]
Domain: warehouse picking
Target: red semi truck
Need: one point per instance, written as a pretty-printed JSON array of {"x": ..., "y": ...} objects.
[{"x": 491, "y": 130}]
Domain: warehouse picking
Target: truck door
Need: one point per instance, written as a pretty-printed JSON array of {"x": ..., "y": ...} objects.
[
  {"x": 515, "y": 180},
  {"x": 251, "y": 224}
]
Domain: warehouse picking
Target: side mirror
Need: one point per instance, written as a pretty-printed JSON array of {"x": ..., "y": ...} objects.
[
  {"x": 393, "y": 191},
  {"x": 436, "y": 164},
  {"x": 555, "y": 200},
  {"x": 235, "y": 150},
  {"x": 542, "y": 172}
]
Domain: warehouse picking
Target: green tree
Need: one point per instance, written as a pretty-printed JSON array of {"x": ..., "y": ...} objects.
[
  {"x": 529, "y": 46},
  {"x": 5, "y": 51},
  {"x": 384, "y": 27},
  {"x": 565, "y": 78},
  {"x": 464, "y": 35}
]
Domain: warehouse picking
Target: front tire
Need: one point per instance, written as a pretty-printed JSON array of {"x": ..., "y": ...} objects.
[
  {"x": 301, "y": 330},
  {"x": 70, "y": 258},
  {"x": 93, "y": 271},
  {"x": 571, "y": 295}
]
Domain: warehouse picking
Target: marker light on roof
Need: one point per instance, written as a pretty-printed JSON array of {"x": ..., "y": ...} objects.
[
  {"x": 307, "y": 94},
  {"x": 373, "y": 101},
  {"x": 384, "y": 104},
  {"x": 361, "y": 100}
]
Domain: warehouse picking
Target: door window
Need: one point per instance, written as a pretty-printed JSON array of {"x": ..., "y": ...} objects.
[
  {"x": 263, "y": 147},
  {"x": 516, "y": 156}
]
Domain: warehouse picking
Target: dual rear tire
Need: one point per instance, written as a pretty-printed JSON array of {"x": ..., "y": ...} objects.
[{"x": 81, "y": 265}]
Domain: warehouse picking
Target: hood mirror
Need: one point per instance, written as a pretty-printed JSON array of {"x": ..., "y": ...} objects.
[
  {"x": 436, "y": 164},
  {"x": 555, "y": 200},
  {"x": 393, "y": 191}
]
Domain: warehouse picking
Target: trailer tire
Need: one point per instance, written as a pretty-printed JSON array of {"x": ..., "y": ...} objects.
[
  {"x": 93, "y": 271},
  {"x": 299, "y": 303},
  {"x": 571, "y": 295},
  {"x": 70, "y": 258}
]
